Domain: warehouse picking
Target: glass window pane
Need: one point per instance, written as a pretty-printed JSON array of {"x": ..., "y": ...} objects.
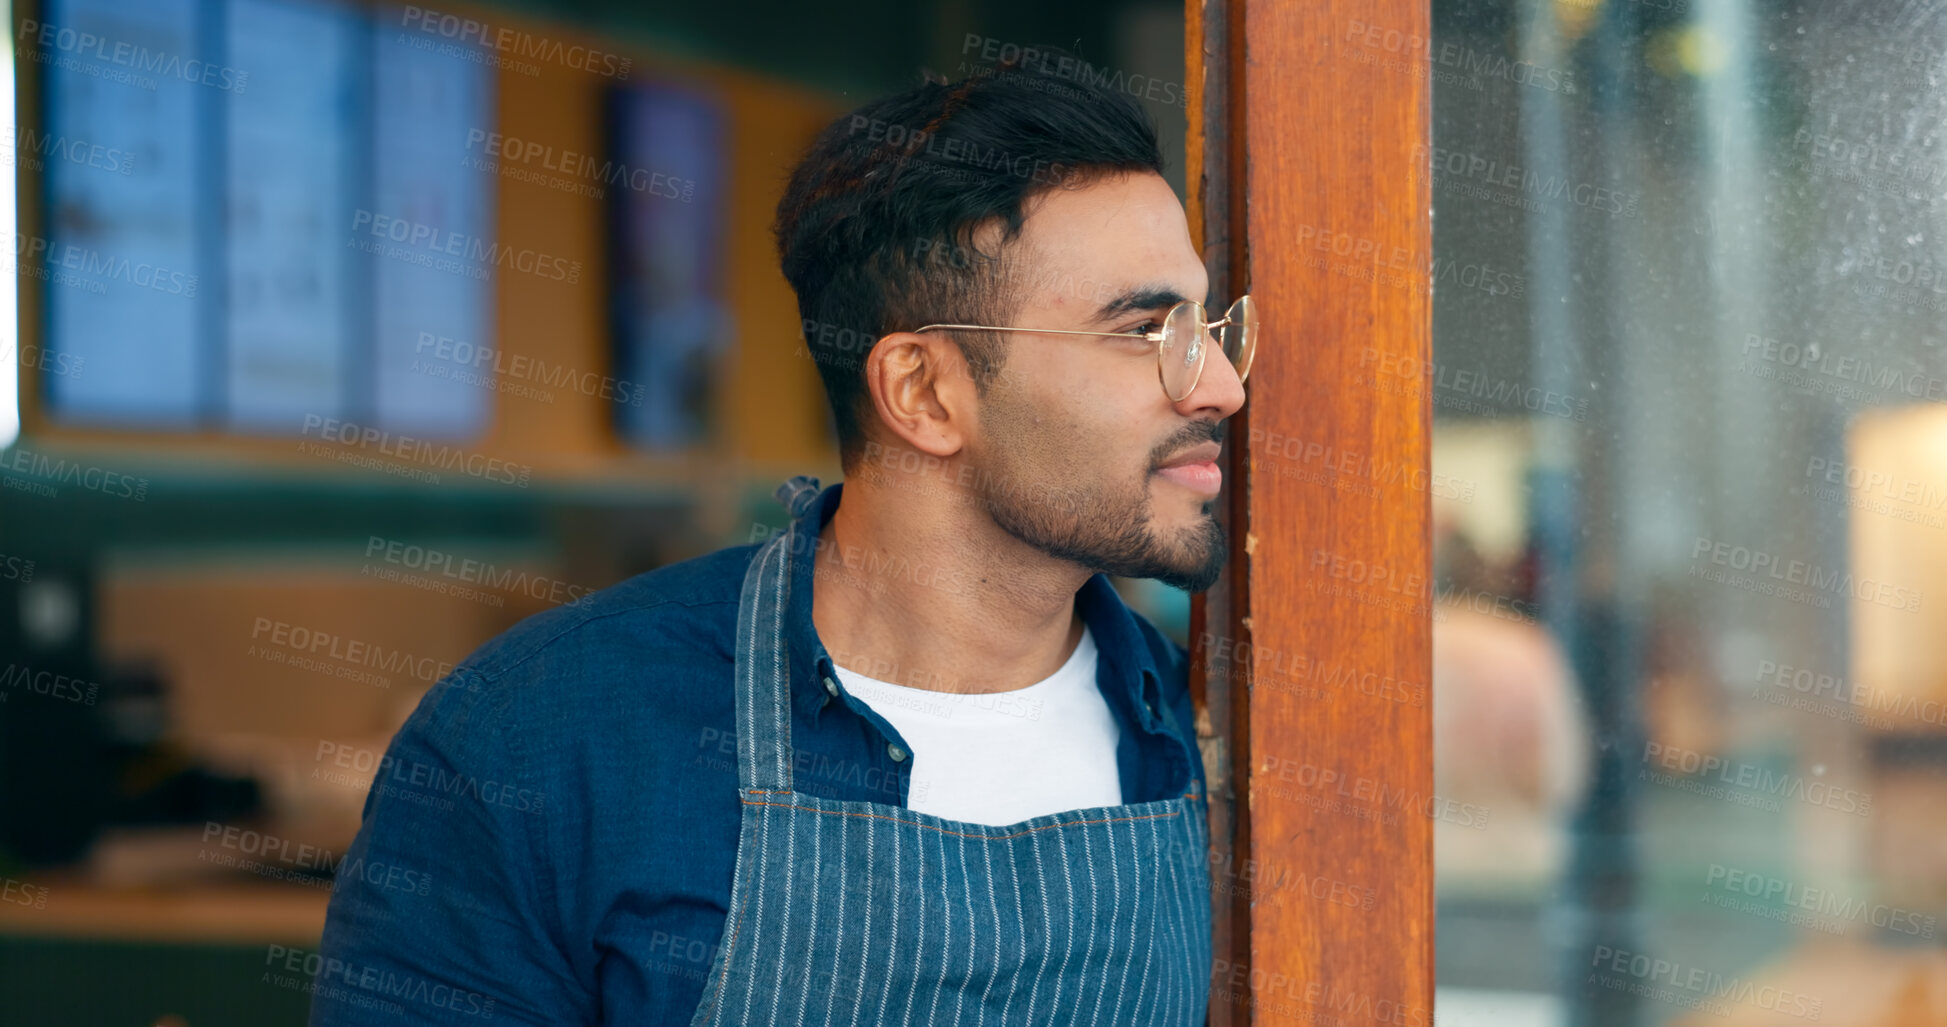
[{"x": 1688, "y": 378}]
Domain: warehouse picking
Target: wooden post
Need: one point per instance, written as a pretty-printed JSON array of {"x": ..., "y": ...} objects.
[{"x": 1307, "y": 152}]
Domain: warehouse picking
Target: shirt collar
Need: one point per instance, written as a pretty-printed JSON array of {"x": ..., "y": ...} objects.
[{"x": 1126, "y": 670}]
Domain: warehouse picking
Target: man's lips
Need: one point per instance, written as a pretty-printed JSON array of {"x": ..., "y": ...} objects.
[
  {"x": 1205, "y": 478},
  {"x": 1196, "y": 470}
]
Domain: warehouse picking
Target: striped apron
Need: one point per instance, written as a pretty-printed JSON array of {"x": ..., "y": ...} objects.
[{"x": 863, "y": 913}]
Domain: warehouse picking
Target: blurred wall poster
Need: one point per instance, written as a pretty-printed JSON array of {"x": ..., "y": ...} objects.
[
  {"x": 122, "y": 266},
  {"x": 265, "y": 232},
  {"x": 290, "y": 183},
  {"x": 664, "y": 183},
  {"x": 425, "y": 188}
]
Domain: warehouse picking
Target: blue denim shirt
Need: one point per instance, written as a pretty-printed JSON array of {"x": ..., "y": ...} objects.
[{"x": 550, "y": 837}]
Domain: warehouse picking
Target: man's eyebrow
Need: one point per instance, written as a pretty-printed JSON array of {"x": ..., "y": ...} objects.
[{"x": 1148, "y": 297}]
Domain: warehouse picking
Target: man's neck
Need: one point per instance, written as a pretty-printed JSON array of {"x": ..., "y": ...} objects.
[{"x": 925, "y": 590}]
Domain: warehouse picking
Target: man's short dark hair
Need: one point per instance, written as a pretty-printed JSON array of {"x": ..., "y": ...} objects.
[{"x": 876, "y": 227}]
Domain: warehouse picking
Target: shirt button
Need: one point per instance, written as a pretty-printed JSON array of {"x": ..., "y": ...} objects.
[
  {"x": 831, "y": 686},
  {"x": 898, "y": 755}
]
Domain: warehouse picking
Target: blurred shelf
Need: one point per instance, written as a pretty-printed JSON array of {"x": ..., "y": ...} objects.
[{"x": 227, "y": 912}]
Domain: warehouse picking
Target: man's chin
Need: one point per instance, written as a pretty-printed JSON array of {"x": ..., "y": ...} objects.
[
  {"x": 1144, "y": 536},
  {"x": 1199, "y": 568}
]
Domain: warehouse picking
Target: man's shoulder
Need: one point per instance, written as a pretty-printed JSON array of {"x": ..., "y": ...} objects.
[
  {"x": 674, "y": 607},
  {"x": 624, "y": 684}
]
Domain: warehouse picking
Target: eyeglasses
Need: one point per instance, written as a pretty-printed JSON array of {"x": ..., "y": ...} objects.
[{"x": 1180, "y": 342}]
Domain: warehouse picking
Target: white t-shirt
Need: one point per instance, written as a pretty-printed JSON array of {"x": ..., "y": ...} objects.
[{"x": 1005, "y": 757}]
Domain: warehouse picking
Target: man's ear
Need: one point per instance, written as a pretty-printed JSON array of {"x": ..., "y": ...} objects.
[{"x": 922, "y": 391}]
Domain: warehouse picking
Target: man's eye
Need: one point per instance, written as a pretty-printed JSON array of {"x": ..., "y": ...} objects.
[{"x": 1143, "y": 329}]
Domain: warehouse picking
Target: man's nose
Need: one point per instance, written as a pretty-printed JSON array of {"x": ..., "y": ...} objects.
[{"x": 1218, "y": 388}]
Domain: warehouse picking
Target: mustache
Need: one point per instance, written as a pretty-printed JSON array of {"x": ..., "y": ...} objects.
[{"x": 1193, "y": 434}]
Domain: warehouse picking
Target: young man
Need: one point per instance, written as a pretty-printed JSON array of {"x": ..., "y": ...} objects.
[{"x": 911, "y": 761}]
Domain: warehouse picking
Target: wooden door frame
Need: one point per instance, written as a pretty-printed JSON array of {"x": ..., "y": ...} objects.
[{"x": 1308, "y": 125}]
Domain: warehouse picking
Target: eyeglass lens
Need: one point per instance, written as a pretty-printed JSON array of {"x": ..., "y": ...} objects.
[
  {"x": 1184, "y": 339},
  {"x": 1183, "y": 348},
  {"x": 1239, "y": 337}
]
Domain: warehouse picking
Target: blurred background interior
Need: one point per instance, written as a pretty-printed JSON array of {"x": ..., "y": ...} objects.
[{"x": 351, "y": 333}]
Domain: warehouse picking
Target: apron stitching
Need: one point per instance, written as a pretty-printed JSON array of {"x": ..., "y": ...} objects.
[
  {"x": 967, "y": 834},
  {"x": 730, "y": 951},
  {"x": 787, "y": 791}
]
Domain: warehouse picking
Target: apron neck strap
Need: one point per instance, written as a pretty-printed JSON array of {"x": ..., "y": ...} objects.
[{"x": 763, "y": 675}]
